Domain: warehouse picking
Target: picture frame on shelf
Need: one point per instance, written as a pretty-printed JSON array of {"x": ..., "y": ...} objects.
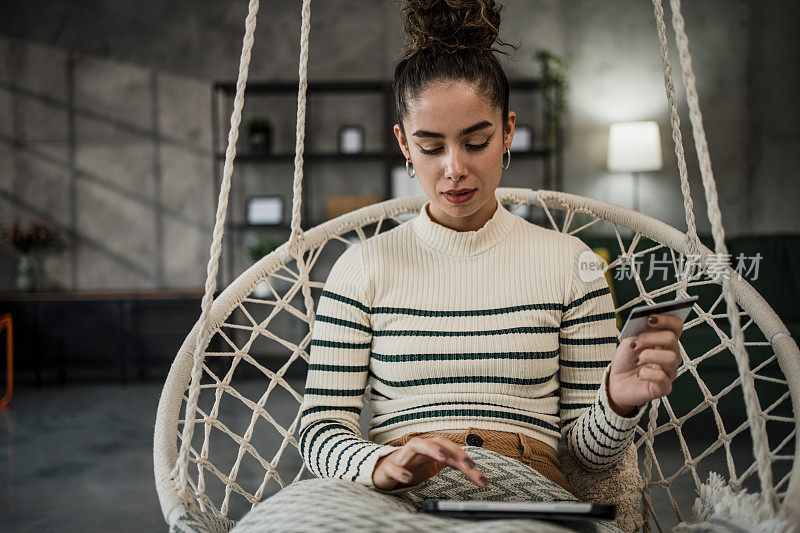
[
  {"x": 259, "y": 135},
  {"x": 523, "y": 138},
  {"x": 264, "y": 211},
  {"x": 351, "y": 139},
  {"x": 340, "y": 205}
]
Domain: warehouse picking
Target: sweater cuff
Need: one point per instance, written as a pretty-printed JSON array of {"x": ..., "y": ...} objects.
[
  {"x": 614, "y": 422},
  {"x": 364, "y": 476},
  {"x": 383, "y": 451}
]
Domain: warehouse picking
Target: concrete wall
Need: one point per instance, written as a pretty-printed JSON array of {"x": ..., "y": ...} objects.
[
  {"x": 116, "y": 156},
  {"x": 105, "y": 122}
]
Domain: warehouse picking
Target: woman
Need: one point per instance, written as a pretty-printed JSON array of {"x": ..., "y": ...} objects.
[{"x": 469, "y": 324}]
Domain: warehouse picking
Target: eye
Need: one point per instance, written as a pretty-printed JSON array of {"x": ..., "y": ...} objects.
[
  {"x": 477, "y": 147},
  {"x": 430, "y": 152},
  {"x": 473, "y": 147}
]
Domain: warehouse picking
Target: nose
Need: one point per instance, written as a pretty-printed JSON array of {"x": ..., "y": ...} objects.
[{"x": 455, "y": 169}]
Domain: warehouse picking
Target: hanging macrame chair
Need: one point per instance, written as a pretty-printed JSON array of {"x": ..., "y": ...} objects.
[{"x": 210, "y": 423}]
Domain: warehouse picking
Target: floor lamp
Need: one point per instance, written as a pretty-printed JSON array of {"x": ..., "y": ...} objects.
[{"x": 634, "y": 147}]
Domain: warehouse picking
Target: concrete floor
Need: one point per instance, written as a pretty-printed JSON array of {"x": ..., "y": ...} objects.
[{"x": 79, "y": 458}]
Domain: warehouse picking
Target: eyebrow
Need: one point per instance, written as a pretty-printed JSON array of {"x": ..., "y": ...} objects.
[{"x": 465, "y": 131}]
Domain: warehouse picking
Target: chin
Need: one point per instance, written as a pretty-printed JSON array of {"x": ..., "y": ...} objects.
[{"x": 462, "y": 210}]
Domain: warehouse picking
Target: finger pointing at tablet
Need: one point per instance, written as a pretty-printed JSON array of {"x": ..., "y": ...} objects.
[{"x": 420, "y": 459}]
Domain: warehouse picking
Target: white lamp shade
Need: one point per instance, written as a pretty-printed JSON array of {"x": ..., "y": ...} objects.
[{"x": 634, "y": 147}]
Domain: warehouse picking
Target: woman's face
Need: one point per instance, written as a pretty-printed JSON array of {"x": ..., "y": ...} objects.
[{"x": 455, "y": 139}]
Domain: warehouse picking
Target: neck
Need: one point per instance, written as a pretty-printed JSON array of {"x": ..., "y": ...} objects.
[
  {"x": 472, "y": 222},
  {"x": 466, "y": 243}
]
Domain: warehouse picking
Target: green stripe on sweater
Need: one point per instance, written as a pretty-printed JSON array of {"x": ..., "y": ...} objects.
[
  {"x": 338, "y": 368},
  {"x": 579, "y": 386},
  {"x": 356, "y": 442},
  {"x": 464, "y": 379},
  {"x": 468, "y": 312},
  {"x": 585, "y": 298},
  {"x": 318, "y": 408},
  {"x": 353, "y": 440},
  {"x": 406, "y": 358},
  {"x": 344, "y": 345},
  {"x": 335, "y": 392},
  {"x": 345, "y": 323},
  {"x": 584, "y": 364},
  {"x": 589, "y": 341},
  {"x": 322, "y": 445},
  {"x": 586, "y": 319},
  {"x": 328, "y": 424},
  {"x": 429, "y": 333},
  {"x": 570, "y": 406},
  {"x": 344, "y": 299},
  {"x": 482, "y": 413}
]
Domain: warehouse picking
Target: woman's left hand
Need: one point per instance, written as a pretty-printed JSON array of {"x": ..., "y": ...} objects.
[{"x": 644, "y": 367}]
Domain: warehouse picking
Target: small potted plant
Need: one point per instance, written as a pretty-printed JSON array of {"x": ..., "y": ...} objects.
[
  {"x": 554, "y": 82},
  {"x": 24, "y": 242},
  {"x": 259, "y": 134},
  {"x": 263, "y": 246}
]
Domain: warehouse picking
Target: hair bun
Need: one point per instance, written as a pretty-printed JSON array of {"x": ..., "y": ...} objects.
[{"x": 451, "y": 25}]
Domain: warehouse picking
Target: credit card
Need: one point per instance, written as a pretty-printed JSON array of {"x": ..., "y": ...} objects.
[{"x": 637, "y": 320}]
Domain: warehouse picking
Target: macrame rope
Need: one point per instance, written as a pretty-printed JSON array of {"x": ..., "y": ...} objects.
[
  {"x": 647, "y": 465},
  {"x": 297, "y": 235},
  {"x": 677, "y": 137},
  {"x": 300, "y": 131},
  {"x": 754, "y": 415},
  {"x": 181, "y": 468}
]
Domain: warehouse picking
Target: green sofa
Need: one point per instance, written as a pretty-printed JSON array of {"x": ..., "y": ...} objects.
[{"x": 778, "y": 281}]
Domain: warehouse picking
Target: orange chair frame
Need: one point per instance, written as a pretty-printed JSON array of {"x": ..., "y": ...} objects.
[{"x": 6, "y": 323}]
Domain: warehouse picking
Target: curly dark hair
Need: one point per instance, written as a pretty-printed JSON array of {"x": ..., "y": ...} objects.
[{"x": 451, "y": 40}]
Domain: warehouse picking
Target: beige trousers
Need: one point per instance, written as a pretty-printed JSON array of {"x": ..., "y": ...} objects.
[{"x": 532, "y": 452}]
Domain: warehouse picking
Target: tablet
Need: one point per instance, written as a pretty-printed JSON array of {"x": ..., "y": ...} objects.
[
  {"x": 484, "y": 510},
  {"x": 637, "y": 320}
]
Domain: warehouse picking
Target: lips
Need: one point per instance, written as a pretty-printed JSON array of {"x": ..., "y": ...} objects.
[{"x": 464, "y": 195}]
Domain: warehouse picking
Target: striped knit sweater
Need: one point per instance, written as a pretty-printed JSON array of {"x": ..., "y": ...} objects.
[{"x": 442, "y": 329}]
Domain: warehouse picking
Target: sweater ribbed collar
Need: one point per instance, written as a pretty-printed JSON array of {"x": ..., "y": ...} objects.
[{"x": 463, "y": 243}]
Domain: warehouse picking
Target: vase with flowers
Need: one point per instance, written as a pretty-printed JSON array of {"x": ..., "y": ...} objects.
[{"x": 24, "y": 241}]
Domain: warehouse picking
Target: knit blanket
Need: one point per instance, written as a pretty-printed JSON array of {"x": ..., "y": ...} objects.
[{"x": 336, "y": 505}]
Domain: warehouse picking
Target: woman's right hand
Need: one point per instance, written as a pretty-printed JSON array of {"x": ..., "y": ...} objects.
[{"x": 420, "y": 459}]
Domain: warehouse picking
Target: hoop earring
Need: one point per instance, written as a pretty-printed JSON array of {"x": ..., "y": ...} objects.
[
  {"x": 505, "y": 167},
  {"x": 410, "y": 168}
]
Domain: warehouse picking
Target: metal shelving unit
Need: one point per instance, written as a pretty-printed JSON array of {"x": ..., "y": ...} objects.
[{"x": 389, "y": 155}]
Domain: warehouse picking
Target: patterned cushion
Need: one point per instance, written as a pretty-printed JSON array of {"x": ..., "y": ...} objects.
[
  {"x": 336, "y": 505},
  {"x": 198, "y": 522},
  {"x": 509, "y": 481}
]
